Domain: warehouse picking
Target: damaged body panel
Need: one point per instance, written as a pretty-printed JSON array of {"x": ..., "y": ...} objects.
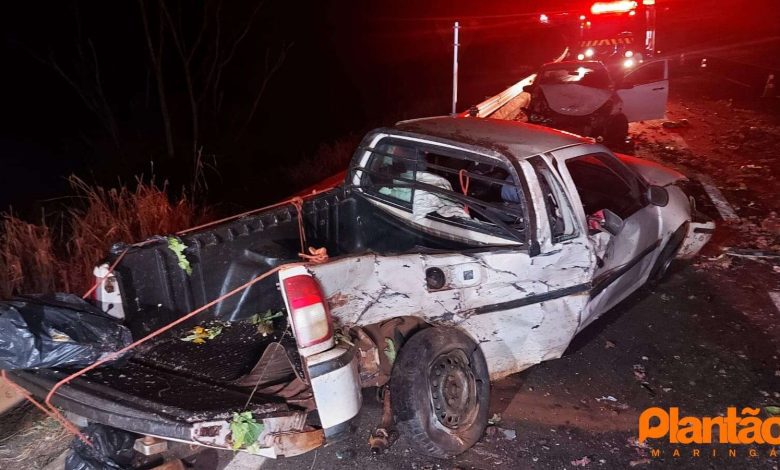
[
  {"x": 585, "y": 97},
  {"x": 506, "y": 236}
]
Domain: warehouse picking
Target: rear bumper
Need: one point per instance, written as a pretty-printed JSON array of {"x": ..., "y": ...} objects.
[
  {"x": 335, "y": 383},
  {"x": 700, "y": 231}
]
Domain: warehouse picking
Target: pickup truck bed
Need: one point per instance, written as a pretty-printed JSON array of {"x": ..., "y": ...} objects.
[
  {"x": 175, "y": 382},
  {"x": 171, "y": 383}
]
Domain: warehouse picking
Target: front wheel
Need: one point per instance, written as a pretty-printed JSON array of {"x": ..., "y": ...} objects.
[
  {"x": 440, "y": 391},
  {"x": 666, "y": 258}
]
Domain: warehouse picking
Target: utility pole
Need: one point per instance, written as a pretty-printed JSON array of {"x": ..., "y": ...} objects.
[
  {"x": 455, "y": 69},
  {"x": 649, "y": 26}
]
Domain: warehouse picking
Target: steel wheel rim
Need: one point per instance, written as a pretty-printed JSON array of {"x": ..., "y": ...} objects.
[{"x": 453, "y": 390}]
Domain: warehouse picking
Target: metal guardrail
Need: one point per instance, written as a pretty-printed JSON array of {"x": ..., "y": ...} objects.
[{"x": 494, "y": 103}]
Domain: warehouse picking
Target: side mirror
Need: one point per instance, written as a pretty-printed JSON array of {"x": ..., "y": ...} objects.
[
  {"x": 613, "y": 224},
  {"x": 657, "y": 196},
  {"x": 528, "y": 88}
]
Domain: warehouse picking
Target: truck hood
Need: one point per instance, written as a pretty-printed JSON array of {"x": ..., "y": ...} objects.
[
  {"x": 575, "y": 100},
  {"x": 653, "y": 172}
]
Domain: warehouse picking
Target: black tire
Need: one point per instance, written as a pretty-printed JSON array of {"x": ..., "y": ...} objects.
[
  {"x": 440, "y": 422},
  {"x": 665, "y": 259},
  {"x": 616, "y": 130}
]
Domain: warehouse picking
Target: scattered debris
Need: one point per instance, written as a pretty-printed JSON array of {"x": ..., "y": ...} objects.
[
  {"x": 343, "y": 338},
  {"x": 509, "y": 434},
  {"x": 389, "y": 350},
  {"x": 345, "y": 454},
  {"x": 379, "y": 441},
  {"x": 583, "y": 462},
  {"x": 199, "y": 335},
  {"x": 676, "y": 124},
  {"x": 644, "y": 461},
  {"x": 639, "y": 372},
  {"x": 178, "y": 247},
  {"x": 772, "y": 410},
  {"x": 265, "y": 321},
  {"x": 607, "y": 398},
  {"x": 608, "y": 344},
  {"x": 640, "y": 447},
  {"x": 244, "y": 431},
  {"x": 495, "y": 419},
  {"x": 753, "y": 254}
]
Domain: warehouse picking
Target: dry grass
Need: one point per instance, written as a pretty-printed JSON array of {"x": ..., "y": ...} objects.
[
  {"x": 37, "y": 258},
  {"x": 29, "y": 441}
]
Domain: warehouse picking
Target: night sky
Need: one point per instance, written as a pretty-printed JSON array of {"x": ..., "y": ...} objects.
[{"x": 349, "y": 66}]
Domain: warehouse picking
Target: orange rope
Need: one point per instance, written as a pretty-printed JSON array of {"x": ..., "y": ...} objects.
[
  {"x": 296, "y": 201},
  {"x": 253, "y": 211},
  {"x": 116, "y": 354},
  {"x": 317, "y": 255},
  {"x": 62, "y": 420},
  {"x": 464, "y": 180}
]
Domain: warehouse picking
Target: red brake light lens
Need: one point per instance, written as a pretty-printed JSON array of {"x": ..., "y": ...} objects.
[{"x": 309, "y": 311}]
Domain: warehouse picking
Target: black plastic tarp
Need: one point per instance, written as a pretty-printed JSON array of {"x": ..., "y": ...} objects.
[
  {"x": 111, "y": 449},
  {"x": 56, "y": 330}
]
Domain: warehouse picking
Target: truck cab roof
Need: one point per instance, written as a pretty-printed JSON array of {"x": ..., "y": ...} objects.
[{"x": 510, "y": 138}]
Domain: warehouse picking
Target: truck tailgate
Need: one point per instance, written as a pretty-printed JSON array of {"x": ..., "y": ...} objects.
[{"x": 168, "y": 384}]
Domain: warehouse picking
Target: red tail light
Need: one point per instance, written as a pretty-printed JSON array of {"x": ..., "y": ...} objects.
[{"x": 309, "y": 312}]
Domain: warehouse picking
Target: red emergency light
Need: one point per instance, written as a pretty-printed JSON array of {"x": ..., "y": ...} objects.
[{"x": 620, "y": 6}]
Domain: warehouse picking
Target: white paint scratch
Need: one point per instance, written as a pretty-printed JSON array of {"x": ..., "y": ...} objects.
[{"x": 775, "y": 296}]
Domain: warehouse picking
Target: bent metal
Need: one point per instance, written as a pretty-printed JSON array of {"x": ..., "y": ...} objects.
[{"x": 745, "y": 428}]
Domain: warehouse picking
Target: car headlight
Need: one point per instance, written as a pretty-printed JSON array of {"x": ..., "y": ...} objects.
[
  {"x": 628, "y": 54},
  {"x": 589, "y": 53},
  {"x": 580, "y": 56},
  {"x": 628, "y": 63}
]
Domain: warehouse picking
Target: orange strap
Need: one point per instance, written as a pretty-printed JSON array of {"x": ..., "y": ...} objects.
[
  {"x": 116, "y": 354},
  {"x": 295, "y": 201},
  {"x": 464, "y": 179},
  {"x": 317, "y": 255}
]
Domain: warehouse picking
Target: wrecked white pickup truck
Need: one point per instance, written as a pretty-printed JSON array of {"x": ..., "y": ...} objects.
[{"x": 460, "y": 250}]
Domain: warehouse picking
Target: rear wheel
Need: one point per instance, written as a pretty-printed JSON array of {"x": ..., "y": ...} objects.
[{"x": 440, "y": 391}]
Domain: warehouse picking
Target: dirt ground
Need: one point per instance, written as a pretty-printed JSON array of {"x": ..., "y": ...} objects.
[{"x": 705, "y": 339}]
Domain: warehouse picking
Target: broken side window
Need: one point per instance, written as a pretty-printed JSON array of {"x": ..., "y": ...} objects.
[
  {"x": 389, "y": 167},
  {"x": 559, "y": 211},
  {"x": 647, "y": 73},
  {"x": 445, "y": 187},
  {"x": 601, "y": 185}
]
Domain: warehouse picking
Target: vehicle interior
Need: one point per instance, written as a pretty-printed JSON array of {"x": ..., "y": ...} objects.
[{"x": 601, "y": 187}]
